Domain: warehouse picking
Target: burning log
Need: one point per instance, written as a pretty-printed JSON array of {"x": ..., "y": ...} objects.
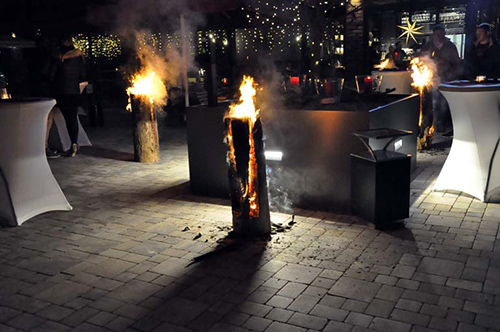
[
  {"x": 146, "y": 140},
  {"x": 247, "y": 169},
  {"x": 146, "y": 92},
  {"x": 422, "y": 79}
]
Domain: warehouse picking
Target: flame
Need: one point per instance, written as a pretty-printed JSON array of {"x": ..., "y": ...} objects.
[
  {"x": 149, "y": 86},
  {"x": 386, "y": 64},
  {"x": 245, "y": 110},
  {"x": 422, "y": 78}
]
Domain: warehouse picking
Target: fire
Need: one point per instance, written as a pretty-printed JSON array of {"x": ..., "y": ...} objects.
[
  {"x": 246, "y": 106},
  {"x": 245, "y": 110},
  {"x": 149, "y": 86},
  {"x": 386, "y": 64},
  {"x": 422, "y": 78}
]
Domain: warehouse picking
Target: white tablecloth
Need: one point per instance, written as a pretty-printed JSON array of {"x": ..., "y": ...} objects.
[
  {"x": 401, "y": 80},
  {"x": 27, "y": 186},
  {"x": 473, "y": 164},
  {"x": 62, "y": 130}
]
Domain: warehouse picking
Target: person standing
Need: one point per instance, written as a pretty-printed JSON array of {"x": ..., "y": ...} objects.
[
  {"x": 69, "y": 73},
  {"x": 42, "y": 65},
  {"x": 484, "y": 57},
  {"x": 445, "y": 56}
]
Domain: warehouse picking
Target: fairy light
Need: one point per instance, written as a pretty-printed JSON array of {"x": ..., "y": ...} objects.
[{"x": 103, "y": 46}]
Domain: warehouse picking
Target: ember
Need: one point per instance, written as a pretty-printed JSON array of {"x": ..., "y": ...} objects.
[{"x": 247, "y": 167}]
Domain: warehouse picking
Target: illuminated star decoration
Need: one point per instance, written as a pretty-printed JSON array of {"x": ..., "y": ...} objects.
[{"x": 410, "y": 30}]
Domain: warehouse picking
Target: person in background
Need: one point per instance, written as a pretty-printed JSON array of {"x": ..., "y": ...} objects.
[
  {"x": 445, "y": 56},
  {"x": 484, "y": 57},
  {"x": 390, "y": 53},
  {"x": 399, "y": 56},
  {"x": 43, "y": 61},
  {"x": 69, "y": 73}
]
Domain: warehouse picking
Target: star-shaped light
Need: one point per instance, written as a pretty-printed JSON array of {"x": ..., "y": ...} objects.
[{"x": 410, "y": 30}]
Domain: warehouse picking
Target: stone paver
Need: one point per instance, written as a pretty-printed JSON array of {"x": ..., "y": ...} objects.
[{"x": 128, "y": 257}]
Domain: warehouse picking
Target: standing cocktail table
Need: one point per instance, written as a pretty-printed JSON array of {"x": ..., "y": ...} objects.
[
  {"x": 473, "y": 164},
  {"x": 27, "y": 186}
]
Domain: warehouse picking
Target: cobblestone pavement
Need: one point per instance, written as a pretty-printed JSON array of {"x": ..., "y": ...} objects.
[{"x": 124, "y": 260}]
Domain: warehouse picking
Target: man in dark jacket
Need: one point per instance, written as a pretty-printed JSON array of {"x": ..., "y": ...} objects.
[
  {"x": 484, "y": 57},
  {"x": 70, "y": 72},
  {"x": 445, "y": 56}
]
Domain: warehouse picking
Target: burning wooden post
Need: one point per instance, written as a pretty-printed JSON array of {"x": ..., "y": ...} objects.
[
  {"x": 146, "y": 140},
  {"x": 247, "y": 169},
  {"x": 146, "y": 93},
  {"x": 422, "y": 79}
]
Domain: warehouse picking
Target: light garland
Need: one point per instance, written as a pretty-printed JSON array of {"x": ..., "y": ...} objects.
[{"x": 103, "y": 46}]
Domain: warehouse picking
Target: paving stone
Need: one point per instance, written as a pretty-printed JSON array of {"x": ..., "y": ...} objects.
[
  {"x": 49, "y": 326},
  {"x": 205, "y": 321},
  {"x": 380, "y": 308},
  {"x": 102, "y": 318},
  {"x": 79, "y": 316},
  {"x": 334, "y": 326},
  {"x": 303, "y": 303},
  {"x": 443, "y": 324},
  {"x": 420, "y": 296},
  {"x": 279, "y": 301},
  {"x": 464, "y": 327},
  {"x": 298, "y": 273},
  {"x": 282, "y": 327},
  {"x": 390, "y": 293},
  {"x": 119, "y": 324},
  {"x": 464, "y": 284},
  {"x": 403, "y": 271},
  {"x": 134, "y": 291},
  {"x": 54, "y": 312},
  {"x": 329, "y": 312},
  {"x": 106, "y": 304},
  {"x": 239, "y": 318},
  {"x": 410, "y": 317},
  {"x": 386, "y": 280},
  {"x": 7, "y": 314},
  {"x": 356, "y": 306},
  {"x": 280, "y": 315},
  {"x": 441, "y": 267},
  {"x": 358, "y": 319},
  {"x": 180, "y": 311},
  {"x": 25, "y": 321},
  {"x": 292, "y": 290},
  {"x": 409, "y": 305},
  {"x": 381, "y": 324},
  {"x": 110, "y": 268},
  {"x": 308, "y": 321},
  {"x": 24, "y": 303},
  {"x": 355, "y": 289},
  {"x": 254, "y": 309}
]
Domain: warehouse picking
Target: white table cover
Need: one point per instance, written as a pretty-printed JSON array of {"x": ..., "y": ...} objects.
[
  {"x": 83, "y": 139},
  {"x": 27, "y": 185},
  {"x": 401, "y": 80},
  {"x": 473, "y": 164}
]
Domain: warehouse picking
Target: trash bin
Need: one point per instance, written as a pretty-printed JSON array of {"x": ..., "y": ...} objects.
[{"x": 380, "y": 180}]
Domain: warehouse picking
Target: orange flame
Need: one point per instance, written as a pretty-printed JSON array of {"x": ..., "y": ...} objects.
[
  {"x": 422, "y": 78},
  {"x": 245, "y": 110},
  {"x": 147, "y": 85},
  {"x": 386, "y": 64}
]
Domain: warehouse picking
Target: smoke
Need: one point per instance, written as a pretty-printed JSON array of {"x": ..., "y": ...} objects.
[{"x": 137, "y": 21}]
